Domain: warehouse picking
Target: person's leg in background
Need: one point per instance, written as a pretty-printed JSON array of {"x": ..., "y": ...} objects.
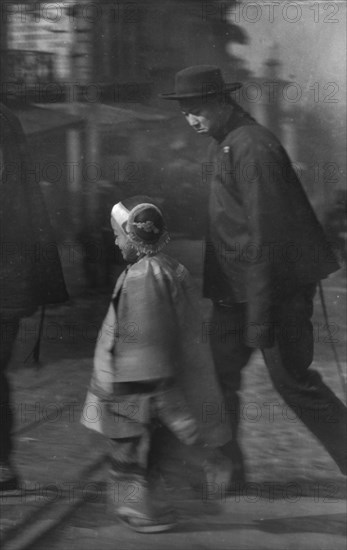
[
  {"x": 8, "y": 334},
  {"x": 301, "y": 387},
  {"x": 230, "y": 355}
]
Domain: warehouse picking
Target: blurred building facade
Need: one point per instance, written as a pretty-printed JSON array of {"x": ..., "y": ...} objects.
[
  {"x": 111, "y": 43},
  {"x": 102, "y": 64}
]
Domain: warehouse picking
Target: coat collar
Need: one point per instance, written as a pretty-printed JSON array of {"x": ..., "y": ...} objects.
[{"x": 234, "y": 120}]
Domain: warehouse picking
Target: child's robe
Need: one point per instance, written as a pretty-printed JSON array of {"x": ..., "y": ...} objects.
[{"x": 154, "y": 331}]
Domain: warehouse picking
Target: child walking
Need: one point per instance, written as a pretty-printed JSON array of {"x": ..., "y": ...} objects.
[{"x": 151, "y": 364}]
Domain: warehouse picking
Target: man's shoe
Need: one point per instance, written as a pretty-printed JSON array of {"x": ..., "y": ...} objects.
[
  {"x": 218, "y": 468},
  {"x": 8, "y": 478},
  {"x": 233, "y": 452},
  {"x": 238, "y": 480}
]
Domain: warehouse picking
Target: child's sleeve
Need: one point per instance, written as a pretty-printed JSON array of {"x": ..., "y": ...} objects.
[{"x": 103, "y": 375}]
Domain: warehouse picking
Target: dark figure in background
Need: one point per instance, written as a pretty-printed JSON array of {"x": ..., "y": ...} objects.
[
  {"x": 265, "y": 253},
  {"x": 30, "y": 268}
]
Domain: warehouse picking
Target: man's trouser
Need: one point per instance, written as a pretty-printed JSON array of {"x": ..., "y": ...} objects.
[
  {"x": 8, "y": 333},
  {"x": 288, "y": 362}
]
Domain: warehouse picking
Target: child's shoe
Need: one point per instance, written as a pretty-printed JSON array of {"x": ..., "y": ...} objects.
[{"x": 131, "y": 501}]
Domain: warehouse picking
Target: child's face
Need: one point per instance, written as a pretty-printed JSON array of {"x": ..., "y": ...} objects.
[
  {"x": 121, "y": 240},
  {"x": 125, "y": 246},
  {"x": 120, "y": 236}
]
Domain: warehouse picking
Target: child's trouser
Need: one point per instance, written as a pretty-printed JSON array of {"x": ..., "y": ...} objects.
[{"x": 141, "y": 405}]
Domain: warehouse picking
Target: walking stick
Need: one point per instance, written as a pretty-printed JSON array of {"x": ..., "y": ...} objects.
[
  {"x": 333, "y": 347},
  {"x": 34, "y": 355}
]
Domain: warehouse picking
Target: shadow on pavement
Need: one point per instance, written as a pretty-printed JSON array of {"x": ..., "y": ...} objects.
[{"x": 334, "y": 524}]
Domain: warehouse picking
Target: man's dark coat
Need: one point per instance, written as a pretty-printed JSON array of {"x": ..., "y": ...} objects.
[
  {"x": 264, "y": 240},
  {"x": 30, "y": 268}
]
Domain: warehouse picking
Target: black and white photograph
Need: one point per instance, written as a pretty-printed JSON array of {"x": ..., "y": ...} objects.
[{"x": 173, "y": 275}]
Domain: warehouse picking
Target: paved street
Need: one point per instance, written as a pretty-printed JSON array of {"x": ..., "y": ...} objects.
[
  {"x": 248, "y": 525},
  {"x": 295, "y": 498}
]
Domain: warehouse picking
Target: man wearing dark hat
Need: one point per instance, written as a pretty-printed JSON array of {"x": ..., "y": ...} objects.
[{"x": 265, "y": 253}]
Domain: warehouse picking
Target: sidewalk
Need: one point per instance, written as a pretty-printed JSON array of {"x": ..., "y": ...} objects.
[
  {"x": 295, "y": 497},
  {"x": 244, "y": 525}
]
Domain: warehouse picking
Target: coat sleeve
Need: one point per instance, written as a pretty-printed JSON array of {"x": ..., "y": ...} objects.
[
  {"x": 146, "y": 345},
  {"x": 261, "y": 164},
  {"x": 103, "y": 374}
]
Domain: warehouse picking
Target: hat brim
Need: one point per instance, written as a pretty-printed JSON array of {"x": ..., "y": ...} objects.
[{"x": 227, "y": 88}]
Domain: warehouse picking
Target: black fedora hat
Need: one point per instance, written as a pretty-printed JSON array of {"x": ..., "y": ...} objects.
[{"x": 200, "y": 81}]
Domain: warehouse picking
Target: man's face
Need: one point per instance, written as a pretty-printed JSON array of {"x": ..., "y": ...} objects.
[{"x": 202, "y": 116}]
